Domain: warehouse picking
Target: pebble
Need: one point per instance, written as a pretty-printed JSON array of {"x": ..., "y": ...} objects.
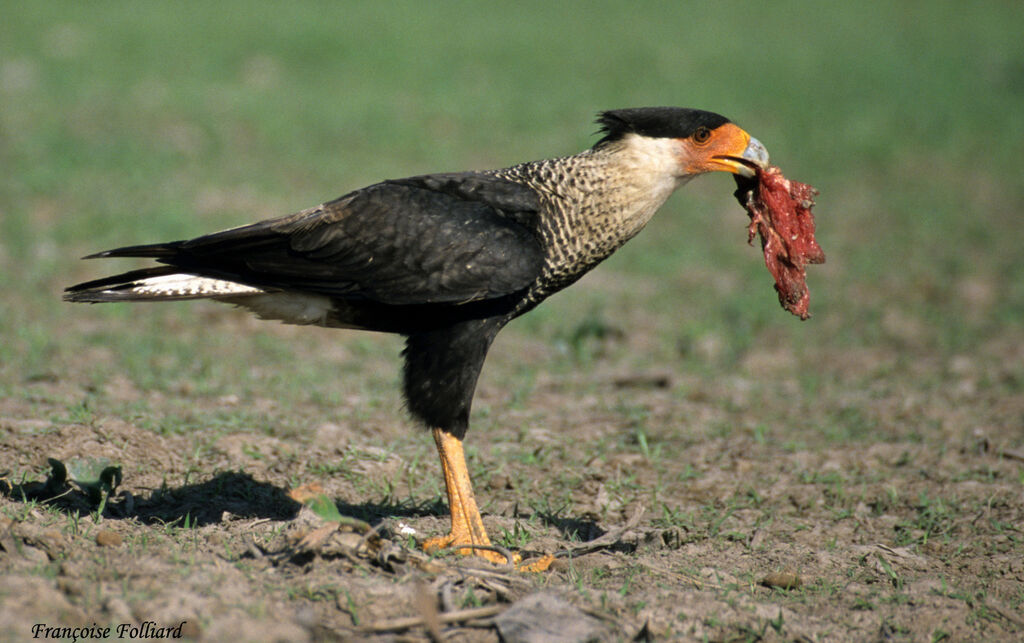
[
  {"x": 107, "y": 538},
  {"x": 782, "y": 580}
]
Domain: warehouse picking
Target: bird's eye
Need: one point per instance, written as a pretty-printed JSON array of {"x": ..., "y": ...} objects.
[{"x": 701, "y": 135}]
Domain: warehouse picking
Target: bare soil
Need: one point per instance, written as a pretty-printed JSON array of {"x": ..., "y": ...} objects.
[{"x": 682, "y": 505}]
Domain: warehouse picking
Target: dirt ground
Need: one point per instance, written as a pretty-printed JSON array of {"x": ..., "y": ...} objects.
[{"x": 680, "y": 505}]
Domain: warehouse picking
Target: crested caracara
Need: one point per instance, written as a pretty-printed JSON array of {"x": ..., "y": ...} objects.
[{"x": 446, "y": 260}]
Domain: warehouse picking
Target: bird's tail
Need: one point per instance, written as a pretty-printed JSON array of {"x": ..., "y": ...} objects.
[
  {"x": 159, "y": 283},
  {"x": 154, "y": 250}
]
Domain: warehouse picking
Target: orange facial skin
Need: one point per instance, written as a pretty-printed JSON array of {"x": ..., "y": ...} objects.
[{"x": 718, "y": 150}]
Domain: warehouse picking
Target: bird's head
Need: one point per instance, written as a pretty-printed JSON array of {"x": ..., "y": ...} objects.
[{"x": 687, "y": 141}]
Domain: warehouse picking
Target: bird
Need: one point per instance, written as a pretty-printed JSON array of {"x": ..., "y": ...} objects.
[{"x": 445, "y": 260}]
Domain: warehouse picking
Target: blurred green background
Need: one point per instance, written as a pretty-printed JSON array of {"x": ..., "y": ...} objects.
[{"x": 129, "y": 122}]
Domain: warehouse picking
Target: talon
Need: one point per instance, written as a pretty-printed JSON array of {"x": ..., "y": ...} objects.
[
  {"x": 542, "y": 564},
  {"x": 465, "y": 547}
]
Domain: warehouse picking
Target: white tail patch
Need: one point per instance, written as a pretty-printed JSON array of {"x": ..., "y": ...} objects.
[
  {"x": 289, "y": 307},
  {"x": 189, "y": 286}
]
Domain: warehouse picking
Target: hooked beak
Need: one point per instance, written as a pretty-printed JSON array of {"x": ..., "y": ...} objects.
[
  {"x": 732, "y": 150},
  {"x": 753, "y": 155}
]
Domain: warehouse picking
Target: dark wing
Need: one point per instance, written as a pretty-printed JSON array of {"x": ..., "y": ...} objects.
[{"x": 430, "y": 239}]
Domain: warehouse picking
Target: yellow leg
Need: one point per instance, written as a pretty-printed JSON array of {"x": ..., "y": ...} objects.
[{"x": 467, "y": 527}]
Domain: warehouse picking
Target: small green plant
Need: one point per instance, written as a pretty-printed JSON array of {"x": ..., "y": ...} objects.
[
  {"x": 897, "y": 581},
  {"x": 350, "y": 607},
  {"x": 324, "y": 508},
  {"x": 862, "y": 604},
  {"x": 761, "y": 434},
  {"x": 97, "y": 478},
  {"x": 517, "y": 538},
  {"x": 641, "y": 440},
  {"x": 627, "y": 584}
]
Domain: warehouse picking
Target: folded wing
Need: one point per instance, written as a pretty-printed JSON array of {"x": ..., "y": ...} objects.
[{"x": 431, "y": 239}]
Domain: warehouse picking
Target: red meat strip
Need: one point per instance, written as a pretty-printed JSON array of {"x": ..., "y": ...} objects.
[{"x": 780, "y": 213}]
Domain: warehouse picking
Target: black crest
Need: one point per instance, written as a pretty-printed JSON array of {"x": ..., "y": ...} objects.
[{"x": 657, "y": 122}]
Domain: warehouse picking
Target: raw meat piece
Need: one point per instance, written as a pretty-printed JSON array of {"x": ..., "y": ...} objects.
[{"x": 780, "y": 213}]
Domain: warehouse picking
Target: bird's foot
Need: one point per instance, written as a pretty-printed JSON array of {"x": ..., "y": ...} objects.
[
  {"x": 465, "y": 545},
  {"x": 468, "y": 535},
  {"x": 497, "y": 555}
]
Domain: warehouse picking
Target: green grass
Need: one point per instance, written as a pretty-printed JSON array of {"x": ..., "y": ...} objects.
[{"x": 127, "y": 124}]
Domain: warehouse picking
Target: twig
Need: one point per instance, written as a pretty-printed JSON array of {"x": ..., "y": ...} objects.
[
  {"x": 605, "y": 541},
  {"x": 445, "y": 592},
  {"x": 501, "y": 591},
  {"x": 480, "y": 573},
  {"x": 399, "y": 624},
  {"x": 253, "y": 548},
  {"x": 1009, "y": 617},
  {"x": 370, "y": 533},
  {"x": 426, "y": 606},
  {"x": 1012, "y": 454}
]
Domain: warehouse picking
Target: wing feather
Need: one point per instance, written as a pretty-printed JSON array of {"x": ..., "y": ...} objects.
[{"x": 431, "y": 239}]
